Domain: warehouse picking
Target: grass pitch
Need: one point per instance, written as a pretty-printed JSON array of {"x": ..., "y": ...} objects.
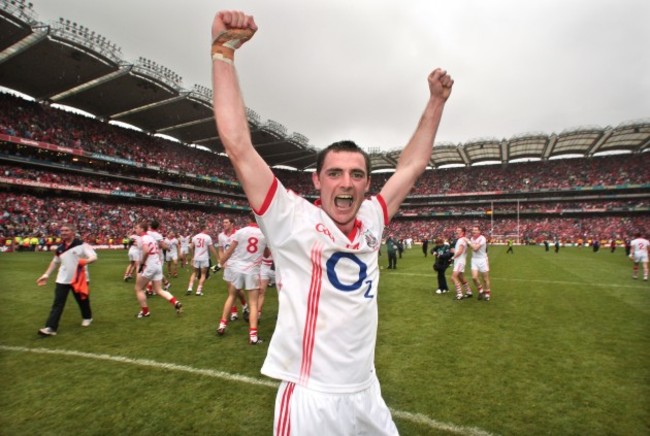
[{"x": 562, "y": 348}]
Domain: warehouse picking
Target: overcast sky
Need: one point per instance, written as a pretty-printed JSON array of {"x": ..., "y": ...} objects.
[{"x": 356, "y": 69}]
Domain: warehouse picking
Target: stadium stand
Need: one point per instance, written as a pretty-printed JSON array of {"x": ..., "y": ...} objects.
[{"x": 53, "y": 161}]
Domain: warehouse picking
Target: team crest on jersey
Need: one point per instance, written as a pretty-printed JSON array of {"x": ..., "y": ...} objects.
[{"x": 371, "y": 240}]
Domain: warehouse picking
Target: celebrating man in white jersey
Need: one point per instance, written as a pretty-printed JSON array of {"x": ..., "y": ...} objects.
[
  {"x": 639, "y": 255},
  {"x": 324, "y": 342},
  {"x": 480, "y": 263},
  {"x": 244, "y": 258}
]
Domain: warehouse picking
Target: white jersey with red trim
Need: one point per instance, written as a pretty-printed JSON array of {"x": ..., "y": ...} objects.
[
  {"x": 246, "y": 258},
  {"x": 150, "y": 246},
  {"x": 327, "y": 322},
  {"x": 201, "y": 243},
  {"x": 460, "y": 242},
  {"x": 481, "y": 253},
  {"x": 159, "y": 239},
  {"x": 639, "y": 248}
]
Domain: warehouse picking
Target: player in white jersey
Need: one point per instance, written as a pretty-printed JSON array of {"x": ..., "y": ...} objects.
[
  {"x": 224, "y": 239},
  {"x": 200, "y": 248},
  {"x": 71, "y": 256},
  {"x": 639, "y": 255},
  {"x": 460, "y": 259},
  {"x": 244, "y": 258},
  {"x": 324, "y": 341},
  {"x": 134, "y": 256},
  {"x": 172, "y": 254},
  {"x": 151, "y": 270},
  {"x": 480, "y": 264},
  {"x": 185, "y": 249},
  {"x": 267, "y": 279},
  {"x": 162, "y": 248}
]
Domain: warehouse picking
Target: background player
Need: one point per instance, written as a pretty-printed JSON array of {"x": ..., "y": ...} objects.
[
  {"x": 639, "y": 255},
  {"x": 244, "y": 257},
  {"x": 224, "y": 239},
  {"x": 151, "y": 271},
  {"x": 480, "y": 263},
  {"x": 200, "y": 247},
  {"x": 458, "y": 271}
]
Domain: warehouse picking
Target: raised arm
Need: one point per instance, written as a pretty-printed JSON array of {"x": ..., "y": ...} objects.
[
  {"x": 230, "y": 29},
  {"x": 416, "y": 154}
]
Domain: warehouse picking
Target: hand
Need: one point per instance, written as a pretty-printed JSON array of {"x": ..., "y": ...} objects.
[
  {"x": 232, "y": 20},
  {"x": 440, "y": 84},
  {"x": 42, "y": 280}
]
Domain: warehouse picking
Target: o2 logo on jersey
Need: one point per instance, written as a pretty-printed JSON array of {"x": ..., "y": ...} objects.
[{"x": 361, "y": 279}]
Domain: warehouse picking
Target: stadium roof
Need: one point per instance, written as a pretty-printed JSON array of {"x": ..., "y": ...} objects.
[{"x": 68, "y": 64}]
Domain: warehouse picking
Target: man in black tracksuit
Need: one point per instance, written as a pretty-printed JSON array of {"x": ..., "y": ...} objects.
[{"x": 443, "y": 255}]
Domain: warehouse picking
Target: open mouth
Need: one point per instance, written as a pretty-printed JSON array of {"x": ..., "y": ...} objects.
[{"x": 343, "y": 201}]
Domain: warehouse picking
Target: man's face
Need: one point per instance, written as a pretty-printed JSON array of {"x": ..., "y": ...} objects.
[
  {"x": 459, "y": 233},
  {"x": 342, "y": 182},
  {"x": 227, "y": 225},
  {"x": 476, "y": 232},
  {"x": 67, "y": 235}
]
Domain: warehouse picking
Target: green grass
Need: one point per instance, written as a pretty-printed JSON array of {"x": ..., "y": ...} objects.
[{"x": 563, "y": 348}]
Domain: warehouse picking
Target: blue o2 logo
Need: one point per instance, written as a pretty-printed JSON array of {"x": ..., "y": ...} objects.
[{"x": 361, "y": 280}]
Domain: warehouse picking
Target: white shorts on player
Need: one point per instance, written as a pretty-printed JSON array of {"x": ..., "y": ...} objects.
[
  {"x": 363, "y": 412},
  {"x": 480, "y": 265},
  {"x": 248, "y": 282},
  {"x": 266, "y": 273},
  {"x": 459, "y": 266},
  {"x": 640, "y": 258},
  {"x": 199, "y": 264},
  {"x": 152, "y": 272},
  {"x": 228, "y": 275},
  {"x": 171, "y": 256},
  {"x": 135, "y": 255}
]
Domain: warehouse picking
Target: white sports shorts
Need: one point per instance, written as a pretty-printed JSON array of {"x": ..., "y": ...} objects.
[
  {"x": 152, "y": 272},
  {"x": 302, "y": 411},
  {"x": 640, "y": 258},
  {"x": 246, "y": 281},
  {"x": 227, "y": 274},
  {"x": 459, "y": 266},
  {"x": 480, "y": 265},
  {"x": 200, "y": 264}
]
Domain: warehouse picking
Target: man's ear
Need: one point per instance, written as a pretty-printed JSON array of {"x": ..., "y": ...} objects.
[{"x": 315, "y": 180}]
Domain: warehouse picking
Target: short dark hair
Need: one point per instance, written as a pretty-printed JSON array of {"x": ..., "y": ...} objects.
[
  {"x": 144, "y": 225},
  {"x": 154, "y": 224},
  {"x": 349, "y": 146}
]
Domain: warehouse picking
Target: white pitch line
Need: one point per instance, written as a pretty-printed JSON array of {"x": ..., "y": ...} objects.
[{"x": 407, "y": 416}]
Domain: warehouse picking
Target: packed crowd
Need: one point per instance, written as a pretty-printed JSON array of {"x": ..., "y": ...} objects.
[
  {"x": 96, "y": 221},
  {"x": 27, "y": 213},
  {"x": 38, "y": 122},
  {"x": 149, "y": 190}
]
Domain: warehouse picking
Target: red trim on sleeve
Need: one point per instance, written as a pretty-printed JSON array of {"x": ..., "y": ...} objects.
[
  {"x": 268, "y": 198},
  {"x": 381, "y": 201}
]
